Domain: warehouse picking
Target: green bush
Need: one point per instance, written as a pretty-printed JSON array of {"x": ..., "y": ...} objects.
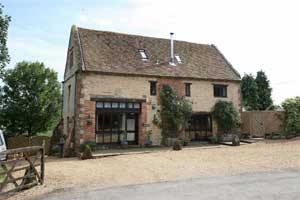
[
  {"x": 55, "y": 151},
  {"x": 226, "y": 116},
  {"x": 185, "y": 141},
  {"x": 91, "y": 144},
  {"x": 213, "y": 140},
  {"x": 292, "y": 108},
  {"x": 177, "y": 146},
  {"x": 87, "y": 153},
  {"x": 175, "y": 112}
]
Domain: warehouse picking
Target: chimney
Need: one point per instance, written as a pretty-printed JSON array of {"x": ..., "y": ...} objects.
[{"x": 172, "y": 49}]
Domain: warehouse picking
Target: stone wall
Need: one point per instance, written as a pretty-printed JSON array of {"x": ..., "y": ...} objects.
[{"x": 93, "y": 84}]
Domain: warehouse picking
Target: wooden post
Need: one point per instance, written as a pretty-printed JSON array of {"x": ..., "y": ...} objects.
[{"x": 43, "y": 163}]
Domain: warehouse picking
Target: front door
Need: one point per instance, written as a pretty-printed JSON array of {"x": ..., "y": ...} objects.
[{"x": 132, "y": 128}]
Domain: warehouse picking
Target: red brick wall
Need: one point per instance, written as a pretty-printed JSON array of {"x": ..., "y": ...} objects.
[
  {"x": 88, "y": 120},
  {"x": 142, "y": 120},
  {"x": 177, "y": 84}
]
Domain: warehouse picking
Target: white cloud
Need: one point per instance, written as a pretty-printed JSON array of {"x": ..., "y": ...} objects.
[{"x": 35, "y": 49}]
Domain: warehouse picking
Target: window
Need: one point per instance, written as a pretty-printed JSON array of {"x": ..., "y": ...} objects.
[
  {"x": 143, "y": 54},
  {"x": 188, "y": 89},
  {"x": 178, "y": 59},
  {"x": 152, "y": 88},
  {"x": 1, "y": 142},
  {"x": 220, "y": 90},
  {"x": 71, "y": 58}
]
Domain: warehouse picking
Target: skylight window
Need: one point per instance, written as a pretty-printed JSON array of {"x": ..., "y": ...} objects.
[
  {"x": 143, "y": 54},
  {"x": 178, "y": 59}
]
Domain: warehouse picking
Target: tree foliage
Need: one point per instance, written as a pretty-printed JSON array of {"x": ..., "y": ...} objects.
[
  {"x": 292, "y": 108},
  {"x": 226, "y": 116},
  {"x": 249, "y": 92},
  {"x": 4, "y": 23},
  {"x": 30, "y": 99},
  {"x": 256, "y": 92},
  {"x": 264, "y": 91},
  {"x": 175, "y": 111}
]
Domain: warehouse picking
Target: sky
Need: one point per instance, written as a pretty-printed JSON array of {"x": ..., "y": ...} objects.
[{"x": 252, "y": 34}]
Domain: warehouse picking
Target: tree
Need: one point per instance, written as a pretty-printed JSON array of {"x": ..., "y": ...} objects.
[
  {"x": 226, "y": 116},
  {"x": 4, "y": 23},
  {"x": 292, "y": 109},
  {"x": 30, "y": 99},
  {"x": 249, "y": 92},
  {"x": 264, "y": 91},
  {"x": 175, "y": 111}
]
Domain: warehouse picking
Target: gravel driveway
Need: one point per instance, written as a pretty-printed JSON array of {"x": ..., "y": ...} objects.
[{"x": 65, "y": 174}]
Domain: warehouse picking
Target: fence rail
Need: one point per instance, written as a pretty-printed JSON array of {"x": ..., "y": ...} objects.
[{"x": 23, "y": 169}]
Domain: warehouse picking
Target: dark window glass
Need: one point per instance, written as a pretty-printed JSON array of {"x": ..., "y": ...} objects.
[
  {"x": 220, "y": 90},
  {"x": 106, "y": 122},
  {"x": 188, "y": 89},
  {"x": 152, "y": 88},
  {"x": 100, "y": 122},
  {"x": 115, "y": 121}
]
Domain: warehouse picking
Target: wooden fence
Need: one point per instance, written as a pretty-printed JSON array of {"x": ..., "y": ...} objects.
[
  {"x": 260, "y": 123},
  {"x": 23, "y": 169},
  {"x": 24, "y": 141}
]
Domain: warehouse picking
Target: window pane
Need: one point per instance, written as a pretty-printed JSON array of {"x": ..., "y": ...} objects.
[
  {"x": 100, "y": 122},
  {"x": 115, "y": 121},
  {"x": 220, "y": 90},
  {"x": 122, "y": 105},
  {"x": 152, "y": 88},
  {"x": 99, "y": 105},
  {"x": 136, "y": 105},
  {"x": 107, "y": 105},
  {"x": 1, "y": 142},
  {"x": 107, "y": 122},
  {"x": 114, "y": 105},
  {"x": 130, "y": 105}
]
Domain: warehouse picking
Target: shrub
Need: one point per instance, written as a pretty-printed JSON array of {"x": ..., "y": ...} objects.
[
  {"x": 235, "y": 140},
  {"x": 213, "y": 140},
  {"x": 177, "y": 146},
  {"x": 91, "y": 144},
  {"x": 55, "y": 151},
  {"x": 175, "y": 112},
  {"x": 226, "y": 116},
  {"x": 185, "y": 141},
  {"x": 292, "y": 108},
  {"x": 87, "y": 153}
]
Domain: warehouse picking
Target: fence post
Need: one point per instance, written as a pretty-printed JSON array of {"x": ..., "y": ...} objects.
[{"x": 43, "y": 162}]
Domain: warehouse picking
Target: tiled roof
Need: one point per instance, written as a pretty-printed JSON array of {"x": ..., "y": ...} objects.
[{"x": 119, "y": 53}]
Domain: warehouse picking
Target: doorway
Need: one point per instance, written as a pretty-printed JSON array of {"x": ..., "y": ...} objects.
[{"x": 116, "y": 127}]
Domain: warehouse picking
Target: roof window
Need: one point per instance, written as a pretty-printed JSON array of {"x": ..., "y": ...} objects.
[
  {"x": 178, "y": 59},
  {"x": 143, "y": 54}
]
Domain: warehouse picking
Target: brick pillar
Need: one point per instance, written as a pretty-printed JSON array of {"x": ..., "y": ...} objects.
[
  {"x": 89, "y": 121},
  {"x": 142, "y": 120}
]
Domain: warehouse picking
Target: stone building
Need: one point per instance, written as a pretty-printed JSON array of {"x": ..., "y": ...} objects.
[{"x": 112, "y": 83}]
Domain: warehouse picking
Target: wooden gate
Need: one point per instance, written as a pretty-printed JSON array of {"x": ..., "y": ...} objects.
[{"x": 23, "y": 169}]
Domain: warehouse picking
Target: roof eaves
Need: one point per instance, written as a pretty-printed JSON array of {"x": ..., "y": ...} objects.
[
  {"x": 229, "y": 64},
  {"x": 80, "y": 49}
]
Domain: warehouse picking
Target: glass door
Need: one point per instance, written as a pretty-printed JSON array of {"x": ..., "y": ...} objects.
[{"x": 131, "y": 128}]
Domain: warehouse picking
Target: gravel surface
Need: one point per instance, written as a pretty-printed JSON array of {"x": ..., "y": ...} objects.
[{"x": 73, "y": 174}]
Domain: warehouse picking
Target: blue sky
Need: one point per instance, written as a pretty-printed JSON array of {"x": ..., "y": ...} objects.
[{"x": 253, "y": 35}]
